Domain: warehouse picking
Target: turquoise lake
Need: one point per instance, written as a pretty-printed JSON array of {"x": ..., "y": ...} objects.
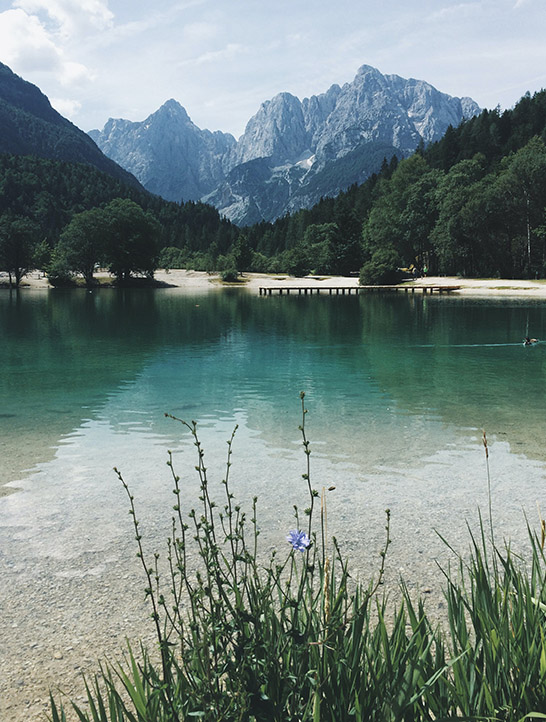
[
  {"x": 398, "y": 389},
  {"x": 390, "y": 381}
]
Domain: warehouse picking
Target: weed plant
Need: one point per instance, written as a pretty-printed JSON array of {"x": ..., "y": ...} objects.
[{"x": 296, "y": 639}]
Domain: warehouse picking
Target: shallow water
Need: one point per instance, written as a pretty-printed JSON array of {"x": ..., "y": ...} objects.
[
  {"x": 390, "y": 382},
  {"x": 398, "y": 392}
]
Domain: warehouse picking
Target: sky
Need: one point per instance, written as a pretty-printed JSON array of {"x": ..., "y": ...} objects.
[{"x": 220, "y": 59}]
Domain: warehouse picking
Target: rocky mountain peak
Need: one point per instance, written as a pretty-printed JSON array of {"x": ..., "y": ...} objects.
[
  {"x": 277, "y": 131},
  {"x": 175, "y": 159},
  {"x": 172, "y": 109},
  {"x": 285, "y": 158}
]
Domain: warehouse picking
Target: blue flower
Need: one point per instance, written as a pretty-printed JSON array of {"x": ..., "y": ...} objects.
[{"x": 299, "y": 540}]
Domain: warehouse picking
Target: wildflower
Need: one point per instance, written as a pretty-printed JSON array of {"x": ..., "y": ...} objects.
[{"x": 299, "y": 540}]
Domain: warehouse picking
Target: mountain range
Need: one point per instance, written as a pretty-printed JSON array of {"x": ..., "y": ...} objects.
[{"x": 292, "y": 152}]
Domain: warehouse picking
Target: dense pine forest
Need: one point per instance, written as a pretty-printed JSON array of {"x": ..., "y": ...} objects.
[{"x": 472, "y": 204}]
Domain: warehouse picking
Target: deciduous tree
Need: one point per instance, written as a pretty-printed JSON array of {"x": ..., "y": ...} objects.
[
  {"x": 242, "y": 254},
  {"x": 131, "y": 240},
  {"x": 83, "y": 242},
  {"x": 18, "y": 239}
]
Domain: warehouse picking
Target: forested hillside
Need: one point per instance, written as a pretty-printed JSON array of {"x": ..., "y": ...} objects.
[
  {"x": 51, "y": 192},
  {"x": 472, "y": 204},
  {"x": 30, "y": 126},
  {"x": 40, "y": 198}
]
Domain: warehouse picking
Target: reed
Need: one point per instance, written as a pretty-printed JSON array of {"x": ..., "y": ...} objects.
[{"x": 296, "y": 638}]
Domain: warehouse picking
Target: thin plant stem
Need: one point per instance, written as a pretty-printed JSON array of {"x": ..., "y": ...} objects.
[
  {"x": 486, "y": 448},
  {"x": 307, "y": 476}
]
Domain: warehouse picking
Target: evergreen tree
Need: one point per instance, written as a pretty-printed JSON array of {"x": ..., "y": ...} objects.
[
  {"x": 522, "y": 183},
  {"x": 403, "y": 211},
  {"x": 242, "y": 254},
  {"x": 452, "y": 239},
  {"x": 317, "y": 248}
]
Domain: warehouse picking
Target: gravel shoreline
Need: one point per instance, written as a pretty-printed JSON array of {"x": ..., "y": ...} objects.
[{"x": 69, "y": 604}]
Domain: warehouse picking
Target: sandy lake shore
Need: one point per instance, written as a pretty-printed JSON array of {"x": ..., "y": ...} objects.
[{"x": 200, "y": 280}]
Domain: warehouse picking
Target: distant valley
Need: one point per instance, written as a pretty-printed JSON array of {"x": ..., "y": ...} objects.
[{"x": 292, "y": 152}]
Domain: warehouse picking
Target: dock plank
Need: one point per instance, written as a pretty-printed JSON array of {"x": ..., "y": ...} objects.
[{"x": 348, "y": 290}]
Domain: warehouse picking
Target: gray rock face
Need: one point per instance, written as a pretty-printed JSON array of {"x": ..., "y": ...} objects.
[
  {"x": 170, "y": 155},
  {"x": 277, "y": 132},
  {"x": 292, "y": 152}
]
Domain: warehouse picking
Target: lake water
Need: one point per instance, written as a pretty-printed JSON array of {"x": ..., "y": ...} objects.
[{"x": 398, "y": 390}]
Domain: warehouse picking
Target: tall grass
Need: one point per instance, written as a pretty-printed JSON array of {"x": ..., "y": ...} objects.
[{"x": 295, "y": 638}]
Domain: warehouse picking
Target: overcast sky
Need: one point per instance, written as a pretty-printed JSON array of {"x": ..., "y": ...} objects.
[{"x": 220, "y": 59}]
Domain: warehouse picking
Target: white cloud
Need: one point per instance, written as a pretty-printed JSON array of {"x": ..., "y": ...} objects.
[
  {"x": 66, "y": 106},
  {"x": 70, "y": 19},
  {"x": 158, "y": 19},
  {"x": 73, "y": 74},
  {"x": 30, "y": 49},
  {"x": 26, "y": 45},
  {"x": 462, "y": 10},
  {"x": 199, "y": 32}
]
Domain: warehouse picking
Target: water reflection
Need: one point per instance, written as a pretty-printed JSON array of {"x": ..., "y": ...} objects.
[{"x": 385, "y": 369}]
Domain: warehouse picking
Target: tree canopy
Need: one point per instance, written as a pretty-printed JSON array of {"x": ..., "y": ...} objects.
[{"x": 18, "y": 240}]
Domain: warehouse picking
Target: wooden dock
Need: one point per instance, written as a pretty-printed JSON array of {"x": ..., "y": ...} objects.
[{"x": 348, "y": 290}]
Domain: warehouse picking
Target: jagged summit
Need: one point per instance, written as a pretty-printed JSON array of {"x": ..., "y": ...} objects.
[
  {"x": 292, "y": 152},
  {"x": 169, "y": 154},
  {"x": 172, "y": 108},
  {"x": 172, "y": 104}
]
